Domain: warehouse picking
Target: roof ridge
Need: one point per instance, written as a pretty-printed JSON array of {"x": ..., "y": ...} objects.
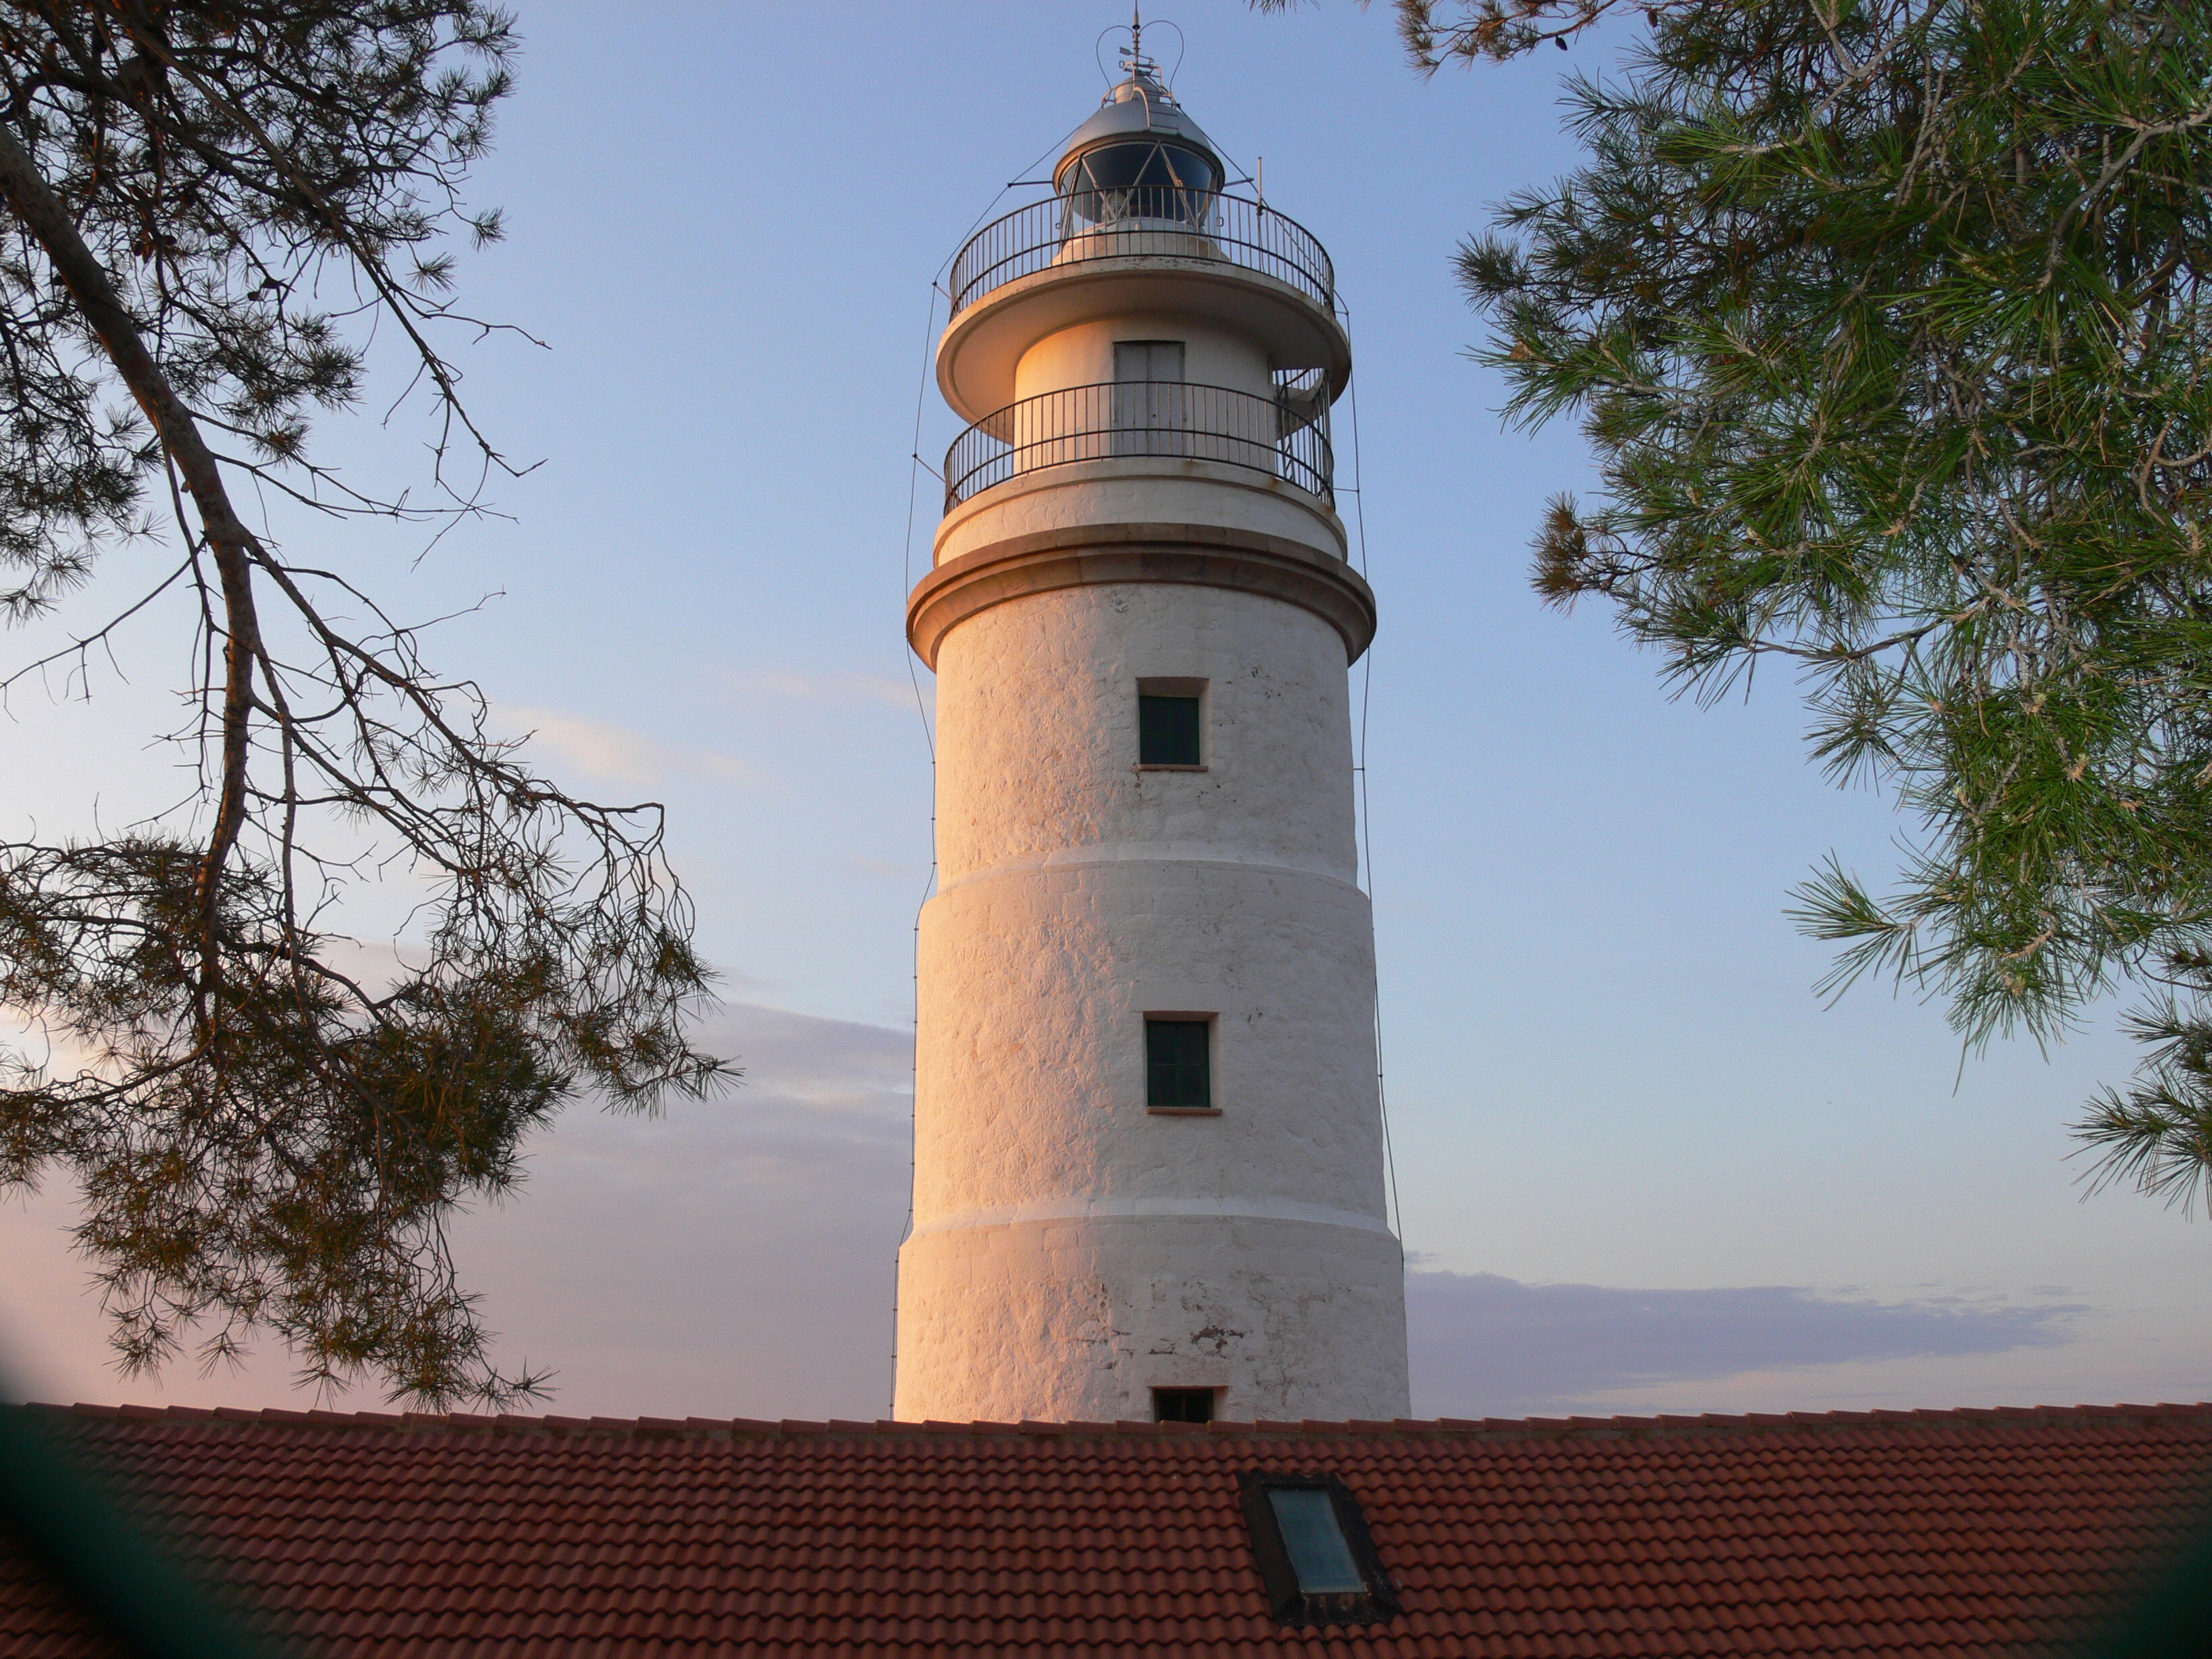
[{"x": 1486, "y": 1428}]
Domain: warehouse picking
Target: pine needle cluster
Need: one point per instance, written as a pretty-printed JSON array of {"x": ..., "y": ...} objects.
[
  {"x": 207, "y": 209},
  {"x": 1888, "y": 322}
]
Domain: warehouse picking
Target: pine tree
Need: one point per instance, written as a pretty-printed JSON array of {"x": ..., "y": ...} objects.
[
  {"x": 206, "y": 207},
  {"x": 1887, "y": 322}
]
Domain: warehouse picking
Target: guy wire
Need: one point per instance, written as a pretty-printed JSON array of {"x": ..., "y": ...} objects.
[
  {"x": 929, "y": 740},
  {"x": 915, "y": 467},
  {"x": 1366, "y": 814}
]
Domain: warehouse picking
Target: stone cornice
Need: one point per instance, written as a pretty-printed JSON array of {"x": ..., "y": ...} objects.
[{"x": 1206, "y": 555}]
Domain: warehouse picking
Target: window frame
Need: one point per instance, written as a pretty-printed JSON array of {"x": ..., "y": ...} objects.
[
  {"x": 1196, "y": 690},
  {"x": 1378, "y": 1604},
  {"x": 1211, "y": 1020},
  {"x": 1214, "y": 1398}
]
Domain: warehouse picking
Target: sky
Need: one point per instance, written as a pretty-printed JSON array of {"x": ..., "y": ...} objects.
[{"x": 1639, "y": 1165}]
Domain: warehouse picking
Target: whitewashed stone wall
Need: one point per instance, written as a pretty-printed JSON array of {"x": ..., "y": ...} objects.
[{"x": 1071, "y": 1250}]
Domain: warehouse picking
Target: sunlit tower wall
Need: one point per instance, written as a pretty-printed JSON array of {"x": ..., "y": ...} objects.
[{"x": 1148, "y": 1152}]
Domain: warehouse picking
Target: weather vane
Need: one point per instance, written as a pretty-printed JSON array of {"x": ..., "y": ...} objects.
[{"x": 1136, "y": 63}]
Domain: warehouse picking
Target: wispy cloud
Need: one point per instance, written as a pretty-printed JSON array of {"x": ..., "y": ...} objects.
[
  {"x": 616, "y": 754},
  {"x": 735, "y": 1257},
  {"x": 887, "y": 868},
  {"x": 1485, "y": 1345},
  {"x": 841, "y": 686},
  {"x": 35, "y": 1046}
]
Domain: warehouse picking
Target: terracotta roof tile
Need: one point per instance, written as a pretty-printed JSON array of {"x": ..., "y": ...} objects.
[{"x": 1877, "y": 1533}]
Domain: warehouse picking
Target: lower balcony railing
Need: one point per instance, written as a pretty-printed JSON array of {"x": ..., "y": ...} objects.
[{"x": 1279, "y": 436}]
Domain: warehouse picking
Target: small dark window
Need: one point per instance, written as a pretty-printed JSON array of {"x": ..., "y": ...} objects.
[
  {"x": 1167, "y": 731},
  {"x": 1316, "y": 1558},
  {"x": 1182, "y": 1405},
  {"x": 1178, "y": 1076}
]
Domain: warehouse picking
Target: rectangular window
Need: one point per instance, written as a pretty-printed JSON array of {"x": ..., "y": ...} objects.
[
  {"x": 1168, "y": 730},
  {"x": 1316, "y": 1558},
  {"x": 1178, "y": 1074},
  {"x": 1182, "y": 1405}
]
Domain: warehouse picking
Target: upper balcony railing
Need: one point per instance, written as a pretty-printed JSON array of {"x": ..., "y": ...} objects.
[
  {"x": 1283, "y": 437},
  {"x": 1093, "y": 224}
]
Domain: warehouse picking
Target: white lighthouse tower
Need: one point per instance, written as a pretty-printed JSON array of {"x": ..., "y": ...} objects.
[{"x": 1149, "y": 1156}]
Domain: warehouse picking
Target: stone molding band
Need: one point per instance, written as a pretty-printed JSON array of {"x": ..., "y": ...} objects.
[
  {"x": 1043, "y": 1212},
  {"x": 1206, "y": 555}
]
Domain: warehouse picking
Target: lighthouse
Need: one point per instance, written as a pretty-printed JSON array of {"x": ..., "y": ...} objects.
[{"x": 1148, "y": 1158}]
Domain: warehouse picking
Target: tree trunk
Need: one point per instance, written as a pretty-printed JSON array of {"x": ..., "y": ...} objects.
[{"x": 233, "y": 547}]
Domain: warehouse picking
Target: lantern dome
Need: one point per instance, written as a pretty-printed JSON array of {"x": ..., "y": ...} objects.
[{"x": 1140, "y": 156}]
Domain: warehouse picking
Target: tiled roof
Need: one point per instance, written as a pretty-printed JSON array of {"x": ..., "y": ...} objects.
[{"x": 1889, "y": 1532}]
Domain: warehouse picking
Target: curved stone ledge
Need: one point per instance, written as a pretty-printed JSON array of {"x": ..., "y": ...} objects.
[
  {"x": 979, "y": 349},
  {"x": 1148, "y": 856},
  {"x": 1036, "y": 1212},
  {"x": 1179, "y": 490},
  {"x": 1206, "y": 555}
]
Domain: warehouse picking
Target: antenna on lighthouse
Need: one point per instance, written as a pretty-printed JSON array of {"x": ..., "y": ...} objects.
[{"x": 1136, "y": 63}]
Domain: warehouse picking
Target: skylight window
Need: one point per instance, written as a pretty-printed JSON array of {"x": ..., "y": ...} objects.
[
  {"x": 1314, "y": 1539},
  {"x": 1315, "y": 1556}
]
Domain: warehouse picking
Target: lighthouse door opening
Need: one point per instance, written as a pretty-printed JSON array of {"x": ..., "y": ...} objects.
[{"x": 1149, "y": 417}]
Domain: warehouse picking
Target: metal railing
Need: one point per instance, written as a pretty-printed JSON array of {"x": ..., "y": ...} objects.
[
  {"x": 1282, "y": 438},
  {"x": 1104, "y": 225}
]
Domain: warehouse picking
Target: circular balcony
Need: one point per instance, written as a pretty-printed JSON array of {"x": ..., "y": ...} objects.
[
  {"x": 1148, "y": 221},
  {"x": 1284, "y": 437},
  {"x": 1095, "y": 254}
]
